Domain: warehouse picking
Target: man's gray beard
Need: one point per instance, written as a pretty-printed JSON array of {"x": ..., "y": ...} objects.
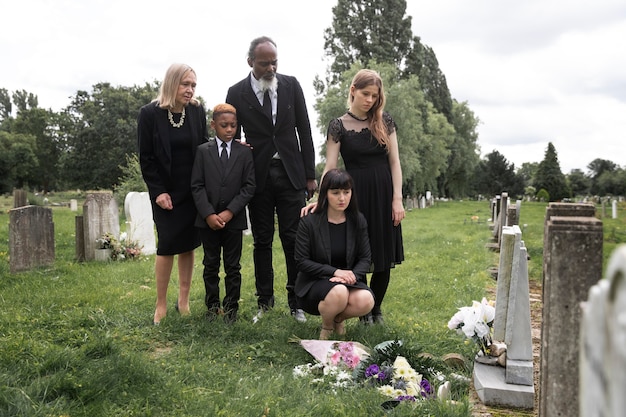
[{"x": 268, "y": 84}]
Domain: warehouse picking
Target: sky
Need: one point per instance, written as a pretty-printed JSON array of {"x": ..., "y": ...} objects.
[{"x": 533, "y": 71}]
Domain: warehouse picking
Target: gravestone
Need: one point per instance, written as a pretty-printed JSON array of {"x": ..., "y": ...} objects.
[
  {"x": 31, "y": 238},
  {"x": 614, "y": 209},
  {"x": 100, "y": 216},
  {"x": 512, "y": 385},
  {"x": 73, "y": 205},
  {"x": 79, "y": 241},
  {"x": 572, "y": 265},
  {"x": 140, "y": 225},
  {"x": 602, "y": 383},
  {"x": 20, "y": 198}
]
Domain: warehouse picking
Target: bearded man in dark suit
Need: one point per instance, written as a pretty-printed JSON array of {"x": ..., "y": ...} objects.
[{"x": 272, "y": 112}]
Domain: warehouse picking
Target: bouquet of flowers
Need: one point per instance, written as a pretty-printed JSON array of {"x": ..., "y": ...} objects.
[
  {"x": 335, "y": 367},
  {"x": 121, "y": 249},
  {"x": 475, "y": 322},
  {"x": 389, "y": 370},
  {"x": 405, "y": 375}
]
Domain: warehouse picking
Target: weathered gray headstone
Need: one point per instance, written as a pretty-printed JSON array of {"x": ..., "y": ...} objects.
[
  {"x": 100, "y": 216},
  {"x": 573, "y": 264},
  {"x": 139, "y": 222},
  {"x": 73, "y": 205},
  {"x": 20, "y": 198},
  {"x": 31, "y": 238},
  {"x": 79, "y": 241},
  {"x": 602, "y": 382},
  {"x": 513, "y": 385}
]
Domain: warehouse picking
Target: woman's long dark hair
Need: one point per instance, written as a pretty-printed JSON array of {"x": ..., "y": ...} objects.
[{"x": 336, "y": 179}]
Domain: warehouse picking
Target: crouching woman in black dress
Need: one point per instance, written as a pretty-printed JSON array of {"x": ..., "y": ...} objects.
[{"x": 332, "y": 254}]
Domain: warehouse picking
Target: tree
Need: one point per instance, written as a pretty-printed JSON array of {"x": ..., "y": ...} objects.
[
  {"x": 5, "y": 105},
  {"x": 464, "y": 153},
  {"x": 578, "y": 182},
  {"x": 527, "y": 173},
  {"x": 17, "y": 160},
  {"x": 495, "y": 175},
  {"x": 423, "y": 134},
  {"x": 101, "y": 131},
  {"x": 597, "y": 168},
  {"x": 550, "y": 177},
  {"x": 365, "y": 31},
  {"x": 369, "y": 33},
  {"x": 40, "y": 123}
]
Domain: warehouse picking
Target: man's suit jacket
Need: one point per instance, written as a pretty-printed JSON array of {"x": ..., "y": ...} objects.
[
  {"x": 312, "y": 251},
  {"x": 215, "y": 189},
  {"x": 155, "y": 151},
  {"x": 290, "y": 136}
]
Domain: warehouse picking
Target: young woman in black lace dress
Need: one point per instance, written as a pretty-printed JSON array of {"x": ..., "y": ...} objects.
[{"x": 365, "y": 137}]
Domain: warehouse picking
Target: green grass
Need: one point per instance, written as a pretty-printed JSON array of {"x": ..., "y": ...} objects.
[{"x": 76, "y": 338}]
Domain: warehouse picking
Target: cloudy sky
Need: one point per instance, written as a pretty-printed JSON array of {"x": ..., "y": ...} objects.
[{"x": 533, "y": 72}]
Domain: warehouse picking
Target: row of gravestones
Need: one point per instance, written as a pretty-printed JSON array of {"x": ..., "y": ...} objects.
[
  {"x": 583, "y": 335},
  {"x": 31, "y": 229}
]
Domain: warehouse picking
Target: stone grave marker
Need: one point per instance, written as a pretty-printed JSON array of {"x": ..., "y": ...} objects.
[
  {"x": 100, "y": 216},
  {"x": 139, "y": 223},
  {"x": 572, "y": 265},
  {"x": 20, "y": 198},
  {"x": 602, "y": 361},
  {"x": 31, "y": 238},
  {"x": 73, "y": 204}
]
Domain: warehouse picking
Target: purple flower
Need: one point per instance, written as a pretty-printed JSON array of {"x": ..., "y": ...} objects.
[
  {"x": 372, "y": 370},
  {"x": 405, "y": 398},
  {"x": 427, "y": 389}
]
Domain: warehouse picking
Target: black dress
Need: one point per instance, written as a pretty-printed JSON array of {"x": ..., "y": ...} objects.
[
  {"x": 176, "y": 229},
  {"x": 368, "y": 164}
]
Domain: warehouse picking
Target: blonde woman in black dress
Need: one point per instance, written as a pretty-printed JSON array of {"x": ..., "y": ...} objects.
[{"x": 170, "y": 128}]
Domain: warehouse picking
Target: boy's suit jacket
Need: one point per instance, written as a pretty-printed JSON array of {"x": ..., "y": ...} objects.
[
  {"x": 215, "y": 189},
  {"x": 290, "y": 136}
]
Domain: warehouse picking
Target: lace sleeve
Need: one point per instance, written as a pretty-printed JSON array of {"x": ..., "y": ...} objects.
[
  {"x": 335, "y": 129},
  {"x": 389, "y": 123}
]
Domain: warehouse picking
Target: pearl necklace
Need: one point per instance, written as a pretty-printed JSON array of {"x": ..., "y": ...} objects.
[{"x": 171, "y": 117}]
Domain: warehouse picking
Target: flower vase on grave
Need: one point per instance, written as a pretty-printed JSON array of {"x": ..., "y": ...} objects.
[{"x": 103, "y": 255}]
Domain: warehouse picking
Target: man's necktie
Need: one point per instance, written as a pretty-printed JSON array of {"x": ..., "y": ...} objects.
[
  {"x": 224, "y": 154},
  {"x": 267, "y": 105}
]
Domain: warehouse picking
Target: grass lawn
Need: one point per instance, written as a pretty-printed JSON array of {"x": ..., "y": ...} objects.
[{"x": 77, "y": 338}]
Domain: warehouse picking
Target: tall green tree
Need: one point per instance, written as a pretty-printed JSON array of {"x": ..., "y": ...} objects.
[
  {"x": 550, "y": 177},
  {"x": 40, "y": 123},
  {"x": 599, "y": 168},
  {"x": 367, "y": 33},
  {"x": 464, "y": 153},
  {"x": 5, "y": 105},
  {"x": 424, "y": 135},
  {"x": 17, "y": 160},
  {"x": 495, "y": 175},
  {"x": 578, "y": 182},
  {"x": 102, "y": 130}
]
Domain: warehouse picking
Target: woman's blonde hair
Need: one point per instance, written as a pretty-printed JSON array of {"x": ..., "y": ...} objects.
[
  {"x": 169, "y": 88},
  {"x": 365, "y": 78}
]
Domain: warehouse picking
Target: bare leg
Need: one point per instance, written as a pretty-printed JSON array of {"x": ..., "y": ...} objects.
[
  {"x": 185, "y": 272},
  {"x": 163, "y": 270},
  {"x": 360, "y": 302},
  {"x": 335, "y": 302}
]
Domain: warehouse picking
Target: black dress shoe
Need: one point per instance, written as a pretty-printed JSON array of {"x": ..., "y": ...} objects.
[
  {"x": 367, "y": 319},
  {"x": 230, "y": 316}
]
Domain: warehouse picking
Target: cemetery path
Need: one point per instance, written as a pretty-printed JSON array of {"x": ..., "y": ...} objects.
[{"x": 481, "y": 410}]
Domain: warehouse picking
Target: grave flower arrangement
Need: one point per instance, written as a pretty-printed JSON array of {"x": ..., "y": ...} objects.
[
  {"x": 476, "y": 323},
  {"x": 398, "y": 373},
  {"x": 122, "y": 248}
]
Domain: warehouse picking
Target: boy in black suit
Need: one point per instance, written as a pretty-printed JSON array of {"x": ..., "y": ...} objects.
[{"x": 222, "y": 184}]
